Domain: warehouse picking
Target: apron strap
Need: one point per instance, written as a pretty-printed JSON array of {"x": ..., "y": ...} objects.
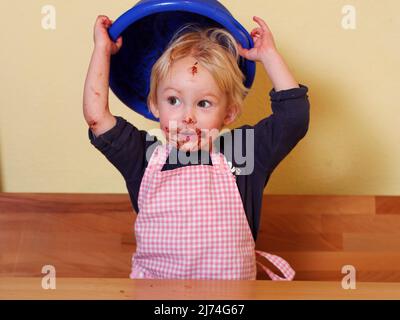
[
  {"x": 278, "y": 262},
  {"x": 158, "y": 157}
]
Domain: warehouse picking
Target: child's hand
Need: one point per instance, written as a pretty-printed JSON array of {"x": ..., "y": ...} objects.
[
  {"x": 263, "y": 42},
  {"x": 101, "y": 37}
]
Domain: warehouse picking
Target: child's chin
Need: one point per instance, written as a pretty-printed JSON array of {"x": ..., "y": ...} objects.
[
  {"x": 191, "y": 146},
  {"x": 188, "y": 147}
]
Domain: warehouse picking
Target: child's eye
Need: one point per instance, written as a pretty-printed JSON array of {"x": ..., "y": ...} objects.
[
  {"x": 203, "y": 103},
  {"x": 172, "y": 100}
]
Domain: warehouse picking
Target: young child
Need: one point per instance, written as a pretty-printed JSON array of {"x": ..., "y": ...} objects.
[{"x": 197, "y": 220}]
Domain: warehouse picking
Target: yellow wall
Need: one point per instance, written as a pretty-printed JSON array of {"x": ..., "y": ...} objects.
[{"x": 353, "y": 143}]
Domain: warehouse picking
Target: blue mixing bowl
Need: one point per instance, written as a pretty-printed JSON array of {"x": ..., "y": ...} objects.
[{"x": 146, "y": 30}]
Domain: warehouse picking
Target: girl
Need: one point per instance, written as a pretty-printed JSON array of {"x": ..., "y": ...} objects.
[{"x": 197, "y": 220}]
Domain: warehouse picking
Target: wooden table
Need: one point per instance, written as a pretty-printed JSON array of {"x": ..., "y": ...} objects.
[
  {"x": 92, "y": 236},
  {"x": 117, "y": 288}
]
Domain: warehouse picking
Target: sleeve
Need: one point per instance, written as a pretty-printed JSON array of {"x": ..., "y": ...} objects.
[
  {"x": 125, "y": 147},
  {"x": 276, "y": 135}
]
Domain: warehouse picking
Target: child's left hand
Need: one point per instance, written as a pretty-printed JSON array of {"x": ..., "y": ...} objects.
[{"x": 263, "y": 42}]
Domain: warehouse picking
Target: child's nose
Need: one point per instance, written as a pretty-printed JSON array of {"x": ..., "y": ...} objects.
[
  {"x": 189, "y": 117},
  {"x": 189, "y": 120}
]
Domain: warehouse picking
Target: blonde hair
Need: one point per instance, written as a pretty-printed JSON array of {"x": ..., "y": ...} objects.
[{"x": 216, "y": 50}]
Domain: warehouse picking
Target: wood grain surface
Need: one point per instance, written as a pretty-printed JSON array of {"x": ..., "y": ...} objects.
[
  {"x": 91, "y": 235},
  {"x": 114, "y": 288}
]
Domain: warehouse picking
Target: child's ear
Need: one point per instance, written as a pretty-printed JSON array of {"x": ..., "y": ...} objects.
[
  {"x": 154, "y": 109},
  {"x": 230, "y": 115}
]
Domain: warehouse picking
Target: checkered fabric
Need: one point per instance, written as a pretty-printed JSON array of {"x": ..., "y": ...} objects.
[
  {"x": 278, "y": 262},
  {"x": 191, "y": 223}
]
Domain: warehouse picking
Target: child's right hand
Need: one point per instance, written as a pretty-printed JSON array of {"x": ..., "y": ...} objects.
[{"x": 101, "y": 37}]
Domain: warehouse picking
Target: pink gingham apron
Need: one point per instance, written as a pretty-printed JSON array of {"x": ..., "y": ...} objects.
[{"x": 192, "y": 225}]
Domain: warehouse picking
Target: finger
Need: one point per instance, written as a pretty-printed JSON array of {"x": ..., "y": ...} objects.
[
  {"x": 108, "y": 22},
  {"x": 257, "y": 29},
  {"x": 105, "y": 21},
  {"x": 242, "y": 51},
  {"x": 102, "y": 18},
  {"x": 99, "y": 21},
  {"x": 262, "y": 23},
  {"x": 119, "y": 42},
  {"x": 256, "y": 32},
  {"x": 256, "y": 35}
]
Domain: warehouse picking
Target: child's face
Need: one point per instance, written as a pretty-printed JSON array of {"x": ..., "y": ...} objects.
[{"x": 191, "y": 108}]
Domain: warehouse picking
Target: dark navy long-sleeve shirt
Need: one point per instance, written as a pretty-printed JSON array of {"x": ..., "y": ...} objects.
[{"x": 125, "y": 147}]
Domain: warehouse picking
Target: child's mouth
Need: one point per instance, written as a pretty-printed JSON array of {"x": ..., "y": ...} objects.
[
  {"x": 181, "y": 136},
  {"x": 190, "y": 134}
]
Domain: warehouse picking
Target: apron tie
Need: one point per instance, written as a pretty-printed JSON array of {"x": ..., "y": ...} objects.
[{"x": 278, "y": 262}]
